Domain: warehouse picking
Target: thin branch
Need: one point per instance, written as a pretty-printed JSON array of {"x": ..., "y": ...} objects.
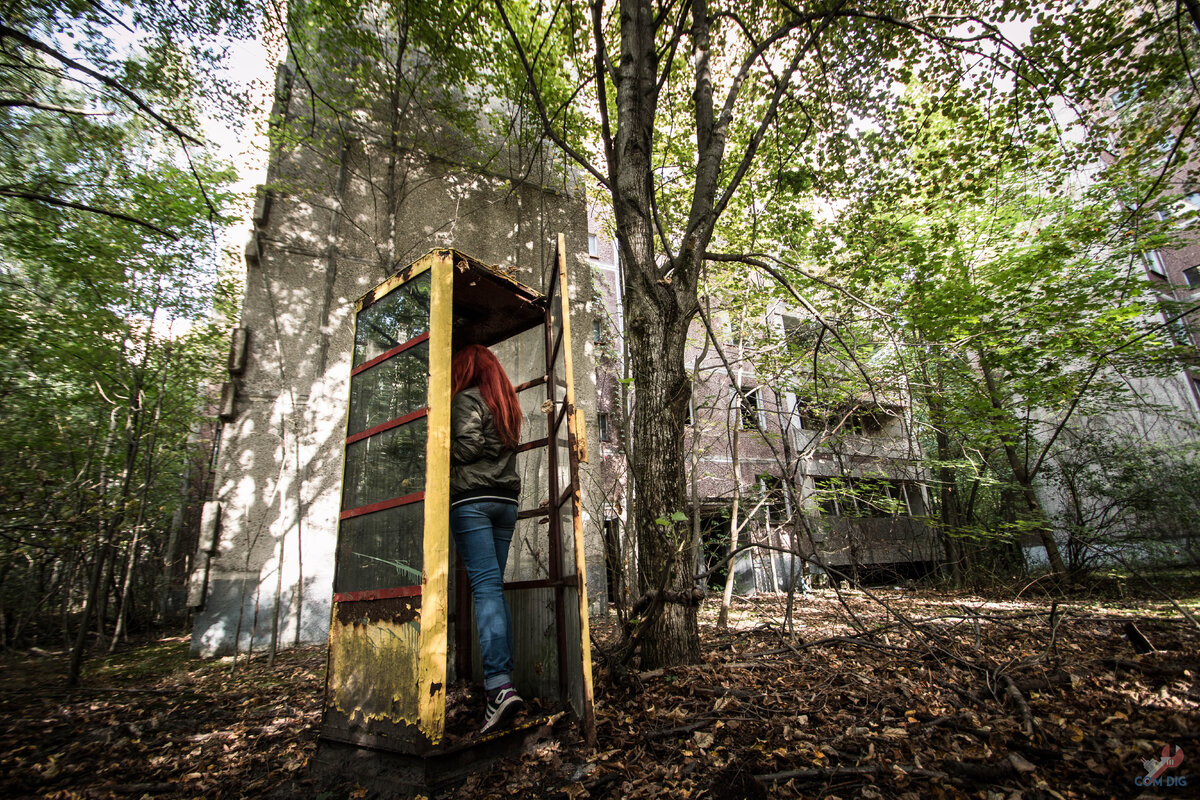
[
  {"x": 55, "y": 201},
  {"x": 535, "y": 91},
  {"x": 111, "y": 83},
  {"x": 22, "y": 103},
  {"x": 759, "y": 260},
  {"x": 1100, "y": 360}
]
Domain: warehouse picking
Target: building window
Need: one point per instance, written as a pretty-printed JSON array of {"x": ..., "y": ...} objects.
[
  {"x": 865, "y": 422},
  {"x": 1192, "y": 276},
  {"x": 1154, "y": 263},
  {"x": 866, "y": 497},
  {"x": 602, "y": 421},
  {"x": 597, "y": 331},
  {"x": 1179, "y": 330},
  {"x": 1124, "y": 97},
  {"x": 748, "y": 405},
  {"x": 593, "y": 246},
  {"x": 776, "y": 505},
  {"x": 807, "y": 415}
]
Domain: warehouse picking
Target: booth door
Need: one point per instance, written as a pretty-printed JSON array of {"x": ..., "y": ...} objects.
[
  {"x": 375, "y": 669},
  {"x": 567, "y": 445}
]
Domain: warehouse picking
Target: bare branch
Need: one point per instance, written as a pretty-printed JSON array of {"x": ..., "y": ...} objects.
[
  {"x": 535, "y": 91},
  {"x": 111, "y": 83},
  {"x": 8, "y": 102},
  {"x": 55, "y": 201}
]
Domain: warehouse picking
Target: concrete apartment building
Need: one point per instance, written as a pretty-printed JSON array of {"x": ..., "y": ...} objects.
[
  {"x": 772, "y": 438},
  {"x": 876, "y": 453},
  {"x": 343, "y": 209}
]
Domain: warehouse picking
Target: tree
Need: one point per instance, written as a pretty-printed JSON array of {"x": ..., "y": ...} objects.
[
  {"x": 67, "y": 64},
  {"x": 698, "y": 105},
  {"x": 108, "y": 253}
]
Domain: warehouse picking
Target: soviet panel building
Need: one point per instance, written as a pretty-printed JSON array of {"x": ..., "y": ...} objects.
[
  {"x": 351, "y": 197},
  {"x": 777, "y": 440}
]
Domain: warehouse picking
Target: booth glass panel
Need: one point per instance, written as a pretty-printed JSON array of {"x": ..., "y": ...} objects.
[
  {"x": 390, "y": 389},
  {"x": 382, "y": 550},
  {"x": 528, "y": 558},
  {"x": 392, "y": 320},
  {"x": 564, "y": 465},
  {"x": 385, "y": 466},
  {"x": 567, "y": 532}
]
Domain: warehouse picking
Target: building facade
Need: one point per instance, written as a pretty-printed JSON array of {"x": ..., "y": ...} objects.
[
  {"x": 749, "y": 441},
  {"x": 346, "y": 205}
]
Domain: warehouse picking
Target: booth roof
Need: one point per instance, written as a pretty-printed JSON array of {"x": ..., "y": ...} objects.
[{"x": 490, "y": 305}]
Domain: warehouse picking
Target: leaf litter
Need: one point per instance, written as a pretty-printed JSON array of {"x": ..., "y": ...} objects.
[{"x": 896, "y": 694}]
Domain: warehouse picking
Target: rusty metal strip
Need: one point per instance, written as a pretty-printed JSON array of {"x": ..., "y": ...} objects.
[
  {"x": 529, "y": 513},
  {"x": 377, "y": 594},
  {"x": 382, "y": 505},
  {"x": 558, "y": 422},
  {"x": 395, "y": 351},
  {"x": 462, "y": 621},
  {"x": 554, "y": 528},
  {"x": 530, "y": 384},
  {"x": 553, "y": 347},
  {"x": 540, "y": 583},
  {"x": 532, "y": 444},
  {"x": 386, "y": 426},
  {"x": 565, "y": 496}
]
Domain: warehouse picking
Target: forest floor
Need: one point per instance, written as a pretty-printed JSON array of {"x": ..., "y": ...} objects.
[{"x": 881, "y": 694}]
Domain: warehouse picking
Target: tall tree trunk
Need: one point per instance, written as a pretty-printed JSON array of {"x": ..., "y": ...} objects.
[
  {"x": 949, "y": 509},
  {"x": 100, "y": 553},
  {"x": 1023, "y": 478},
  {"x": 666, "y": 560},
  {"x": 727, "y": 595},
  {"x": 134, "y": 425},
  {"x": 119, "y": 629},
  {"x": 659, "y": 305},
  {"x": 735, "y": 427}
]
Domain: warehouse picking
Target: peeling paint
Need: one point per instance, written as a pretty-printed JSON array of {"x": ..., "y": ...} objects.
[
  {"x": 373, "y": 669},
  {"x": 396, "y": 610}
]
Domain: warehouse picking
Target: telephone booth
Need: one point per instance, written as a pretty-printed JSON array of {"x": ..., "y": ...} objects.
[{"x": 402, "y": 696}]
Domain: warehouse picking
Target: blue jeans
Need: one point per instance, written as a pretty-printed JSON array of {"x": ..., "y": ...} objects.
[{"x": 483, "y": 532}]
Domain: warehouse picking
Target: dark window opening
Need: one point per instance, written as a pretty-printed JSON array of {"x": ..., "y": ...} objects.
[
  {"x": 776, "y": 503},
  {"x": 748, "y": 405},
  {"x": 612, "y": 556},
  {"x": 602, "y": 422},
  {"x": 1154, "y": 263},
  {"x": 866, "y": 497},
  {"x": 714, "y": 537},
  {"x": 808, "y": 416},
  {"x": 864, "y": 423},
  {"x": 1192, "y": 276}
]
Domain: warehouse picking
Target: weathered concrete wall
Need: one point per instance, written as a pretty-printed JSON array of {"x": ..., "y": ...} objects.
[
  {"x": 1165, "y": 415},
  {"x": 342, "y": 212}
]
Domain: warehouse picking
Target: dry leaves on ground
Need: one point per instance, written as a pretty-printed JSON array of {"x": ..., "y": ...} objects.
[{"x": 940, "y": 696}]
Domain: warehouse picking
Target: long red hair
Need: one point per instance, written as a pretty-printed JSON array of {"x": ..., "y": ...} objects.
[{"x": 475, "y": 365}]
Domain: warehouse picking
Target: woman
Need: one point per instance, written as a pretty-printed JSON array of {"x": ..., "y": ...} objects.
[{"x": 485, "y": 428}]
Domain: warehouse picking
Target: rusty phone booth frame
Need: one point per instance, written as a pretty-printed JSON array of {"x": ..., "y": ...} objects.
[{"x": 388, "y": 664}]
